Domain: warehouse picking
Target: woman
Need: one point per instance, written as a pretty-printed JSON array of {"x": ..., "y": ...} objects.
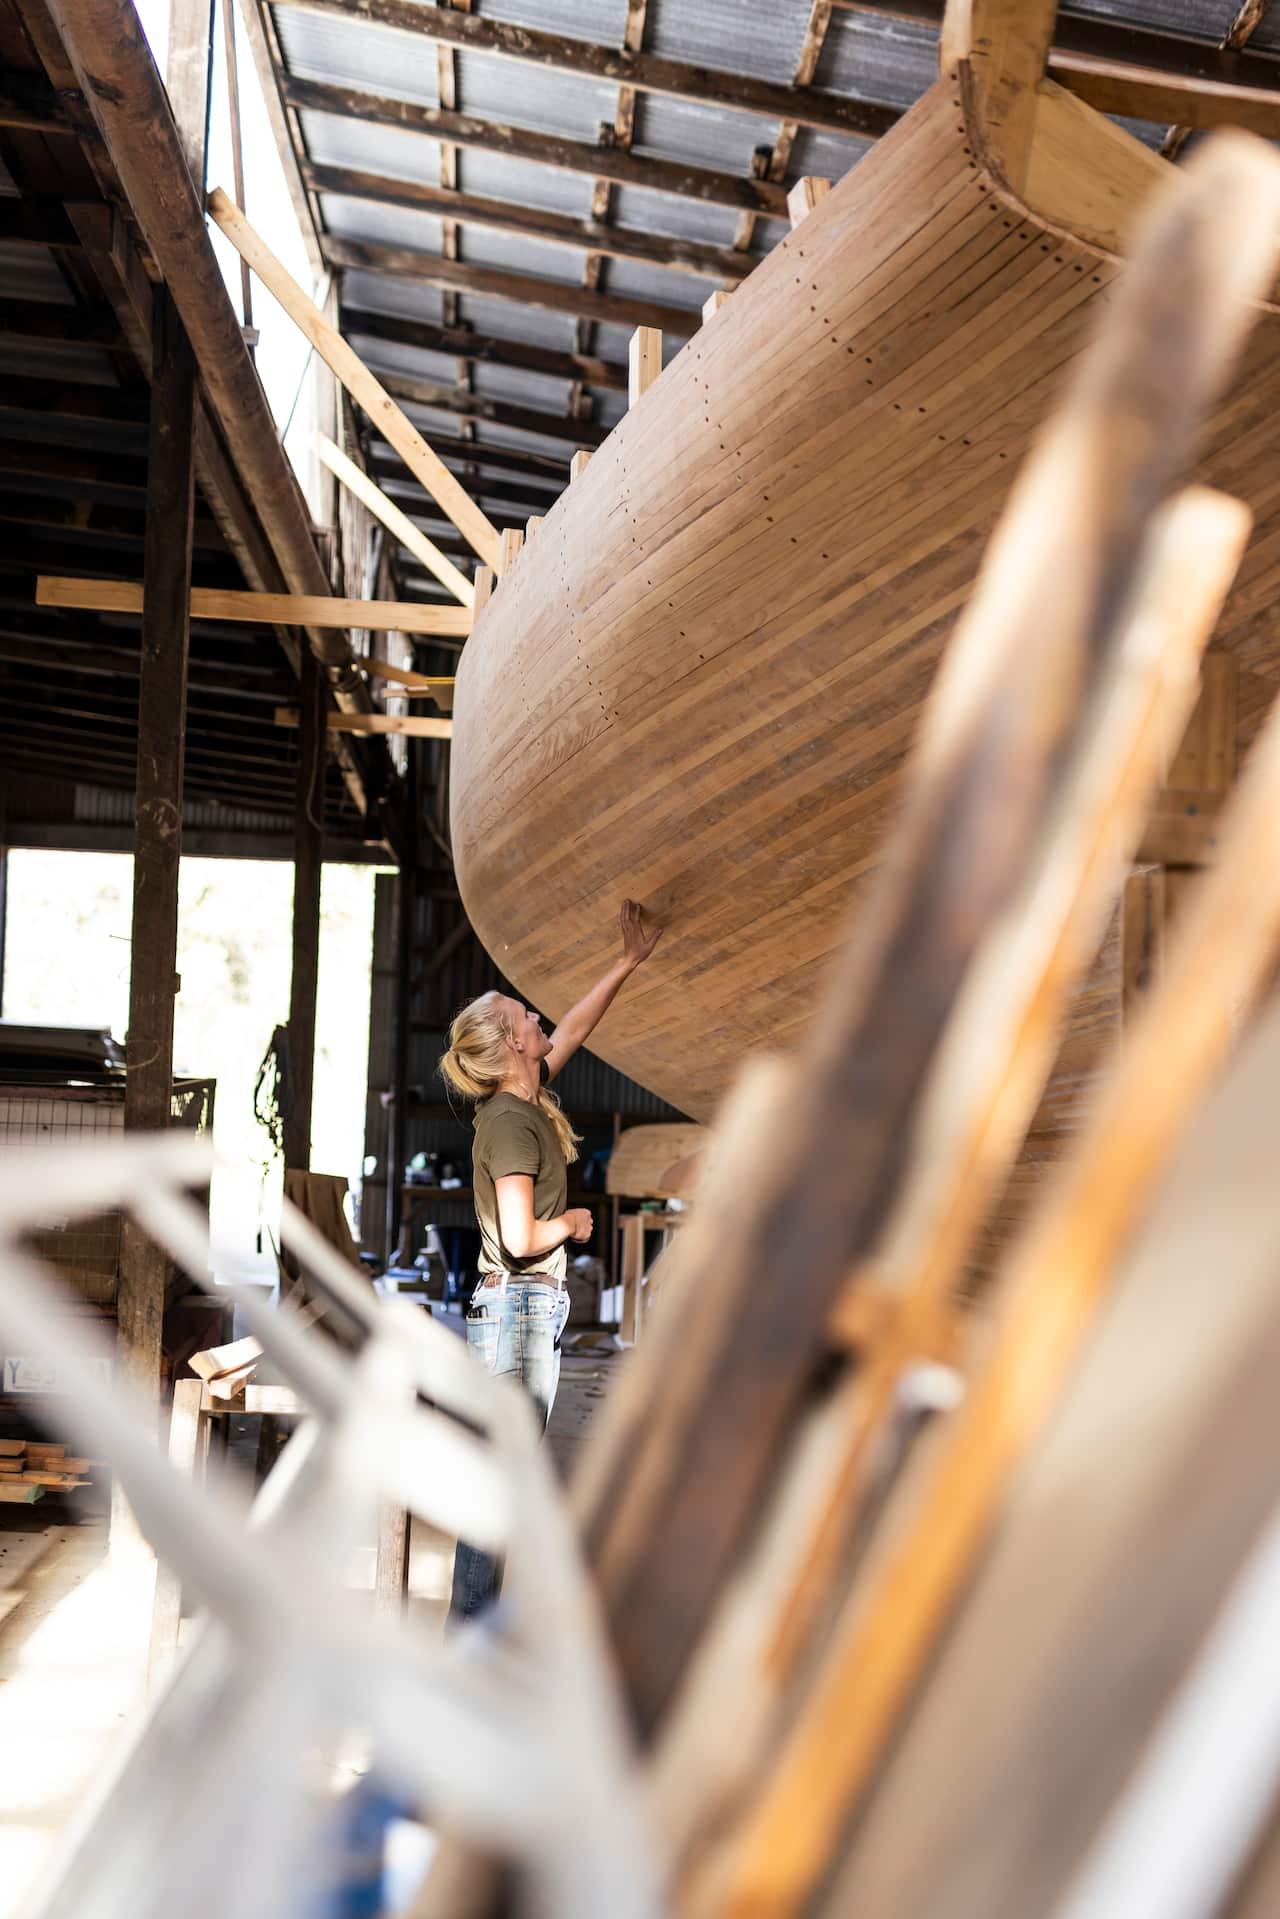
[{"x": 499, "y": 1056}]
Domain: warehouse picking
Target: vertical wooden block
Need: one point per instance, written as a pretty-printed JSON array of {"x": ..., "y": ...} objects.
[
  {"x": 532, "y": 526},
  {"x": 713, "y": 304},
  {"x": 578, "y": 464},
  {"x": 484, "y": 587},
  {"x": 1205, "y": 762},
  {"x": 1142, "y": 922},
  {"x": 644, "y": 362},
  {"x": 512, "y": 541},
  {"x": 805, "y": 195},
  {"x": 632, "y": 1277}
]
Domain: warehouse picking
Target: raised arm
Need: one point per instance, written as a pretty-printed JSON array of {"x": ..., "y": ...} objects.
[{"x": 581, "y": 1020}]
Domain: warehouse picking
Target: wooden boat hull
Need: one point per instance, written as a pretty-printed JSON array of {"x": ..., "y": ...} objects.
[{"x": 700, "y": 682}]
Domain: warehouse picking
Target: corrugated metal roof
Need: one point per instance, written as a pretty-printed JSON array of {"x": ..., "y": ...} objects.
[
  {"x": 34, "y": 360},
  {"x": 890, "y": 60},
  {"x": 383, "y": 293},
  {"x": 507, "y": 91},
  {"x": 30, "y": 273},
  {"x": 601, "y": 20},
  {"x": 520, "y": 388},
  {"x": 363, "y": 144},
  {"x": 673, "y": 289},
  {"x": 515, "y": 253},
  {"x": 381, "y": 225},
  {"x": 864, "y": 56},
  {"x": 762, "y": 41},
  {"x": 354, "y": 53},
  {"x": 684, "y": 130},
  {"x": 647, "y": 212},
  {"x": 496, "y": 176}
]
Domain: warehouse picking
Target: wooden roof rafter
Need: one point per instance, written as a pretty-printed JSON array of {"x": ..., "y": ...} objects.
[
  {"x": 686, "y": 182},
  {"x": 627, "y": 67},
  {"x": 619, "y": 135},
  {"x": 555, "y": 296},
  {"x": 507, "y": 216}
]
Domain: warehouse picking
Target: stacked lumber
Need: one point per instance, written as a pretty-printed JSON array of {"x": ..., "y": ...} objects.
[{"x": 30, "y": 1467}]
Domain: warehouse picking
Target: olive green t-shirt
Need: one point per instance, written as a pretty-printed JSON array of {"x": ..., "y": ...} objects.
[{"x": 515, "y": 1136}]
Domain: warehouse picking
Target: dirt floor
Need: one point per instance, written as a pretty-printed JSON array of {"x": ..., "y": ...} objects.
[{"x": 74, "y": 1627}]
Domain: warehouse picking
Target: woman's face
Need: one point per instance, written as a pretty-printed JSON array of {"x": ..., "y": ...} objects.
[{"x": 527, "y": 1036}]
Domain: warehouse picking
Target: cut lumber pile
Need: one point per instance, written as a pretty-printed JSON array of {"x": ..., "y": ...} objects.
[{"x": 31, "y": 1467}]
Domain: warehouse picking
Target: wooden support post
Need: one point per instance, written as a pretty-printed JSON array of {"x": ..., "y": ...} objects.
[
  {"x": 1181, "y": 833},
  {"x": 308, "y": 828},
  {"x": 712, "y": 304},
  {"x": 406, "y": 914},
  {"x": 804, "y": 197},
  {"x": 237, "y": 157},
  {"x": 391, "y": 1567},
  {"x": 188, "y": 1450},
  {"x": 485, "y": 577},
  {"x": 162, "y": 711},
  {"x": 644, "y": 361},
  {"x": 533, "y": 525},
  {"x": 632, "y": 1277},
  {"x": 1142, "y": 922},
  {"x": 512, "y": 541},
  {"x": 188, "y": 79},
  {"x": 578, "y": 464}
]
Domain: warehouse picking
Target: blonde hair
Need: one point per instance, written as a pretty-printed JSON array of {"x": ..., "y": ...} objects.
[{"x": 477, "y": 1061}]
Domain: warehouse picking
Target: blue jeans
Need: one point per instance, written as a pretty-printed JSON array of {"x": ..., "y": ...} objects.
[{"x": 514, "y": 1330}]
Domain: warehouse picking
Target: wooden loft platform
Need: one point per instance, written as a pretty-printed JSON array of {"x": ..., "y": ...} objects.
[{"x": 96, "y": 224}]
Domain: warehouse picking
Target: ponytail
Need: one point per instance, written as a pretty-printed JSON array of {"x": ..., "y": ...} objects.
[{"x": 476, "y": 1062}]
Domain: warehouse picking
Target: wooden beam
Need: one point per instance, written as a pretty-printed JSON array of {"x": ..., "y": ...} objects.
[
  {"x": 512, "y": 541},
  {"x": 28, "y": 104},
  {"x": 188, "y": 79},
  {"x": 397, "y": 523},
  {"x": 161, "y": 727},
  {"x": 553, "y": 296},
  {"x": 405, "y": 676},
  {"x": 642, "y": 72},
  {"x": 533, "y": 525},
  {"x": 355, "y": 376},
  {"x": 712, "y": 304},
  {"x": 476, "y": 406},
  {"x": 1136, "y": 93},
  {"x": 644, "y": 362},
  {"x": 549, "y": 469},
  {"x": 578, "y": 464},
  {"x": 112, "y": 63},
  {"x": 597, "y": 236},
  {"x": 232, "y": 63},
  {"x": 463, "y": 344},
  {"x": 804, "y": 197},
  {"x": 261, "y": 609},
  {"x": 547, "y": 149},
  {"x": 45, "y": 223},
  {"x": 308, "y": 826},
  {"x": 259, "y": 29},
  {"x": 422, "y": 729}
]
